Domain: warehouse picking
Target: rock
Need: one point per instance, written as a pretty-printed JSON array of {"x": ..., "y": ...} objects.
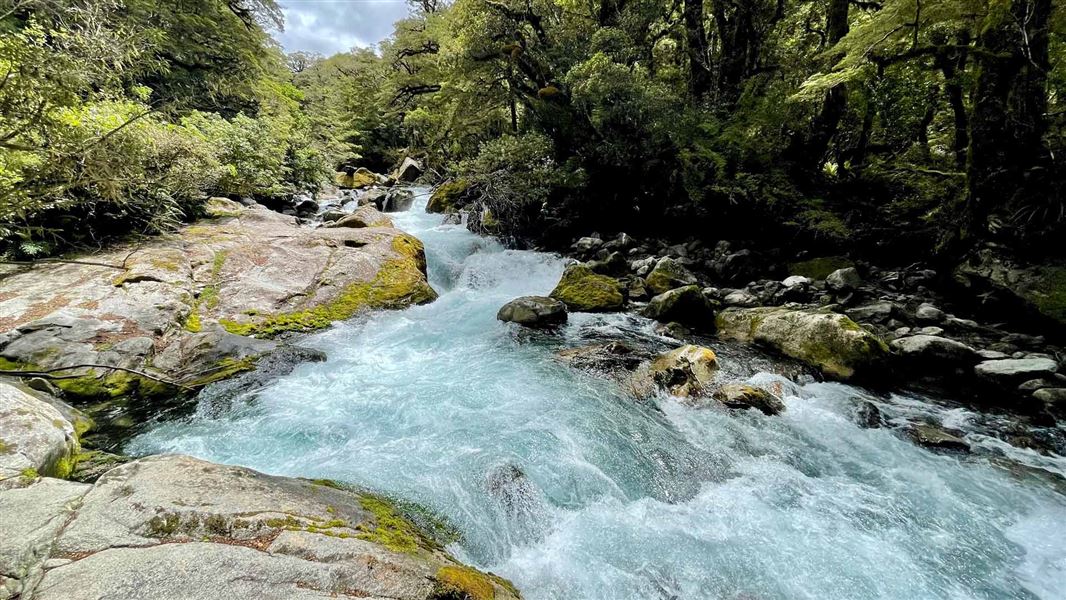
[
  {"x": 376, "y": 197},
  {"x": 876, "y": 312},
  {"x": 365, "y": 216},
  {"x": 937, "y": 331},
  {"x": 355, "y": 179},
  {"x": 219, "y": 208},
  {"x": 1053, "y": 399},
  {"x": 1006, "y": 285},
  {"x": 398, "y": 200},
  {"x": 686, "y": 371},
  {"x": 829, "y": 341},
  {"x": 177, "y": 527},
  {"x": 35, "y": 439},
  {"x": 613, "y": 264},
  {"x": 929, "y": 314},
  {"x": 686, "y": 305},
  {"x": 1012, "y": 371},
  {"x": 797, "y": 281},
  {"x": 992, "y": 354},
  {"x": 931, "y": 353},
  {"x": 868, "y": 416},
  {"x": 252, "y": 276},
  {"x": 408, "y": 171},
  {"x": 667, "y": 275},
  {"x": 636, "y": 289},
  {"x": 306, "y": 208},
  {"x": 585, "y": 291},
  {"x": 843, "y": 280},
  {"x": 643, "y": 266},
  {"x": 333, "y": 215},
  {"x": 932, "y": 436},
  {"x": 449, "y": 196},
  {"x": 742, "y": 265},
  {"x": 587, "y": 244},
  {"x": 742, "y": 396},
  {"x": 533, "y": 311},
  {"x": 741, "y": 298},
  {"x": 610, "y": 358}
]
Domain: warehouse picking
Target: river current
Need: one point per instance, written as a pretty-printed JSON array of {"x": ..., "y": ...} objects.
[{"x": 562, "y": 483}]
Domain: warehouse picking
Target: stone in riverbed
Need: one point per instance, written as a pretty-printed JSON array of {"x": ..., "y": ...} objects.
[
  {"x": 667, "y": 275},
  {"x": 408, "y": 171},
  {"x": 364, "y": 216},
  {"x": 843, "y": 280},
  {"x": 1012, "y": 371},
  {"x": 831, "y": 342},
  {"x": 583, "y": 290},
  {"x": 610, "y": 358},
  {"x": 743, "y": 396},
  {"x": 686, "y": 372},
  {"x": 1053, "y": 399},
  {"x": 686, "y": 305},
  {"x": 533, "y": 311},
  {"x": 932, "y": 436},
  {"x": 448, "y": 197},
  {"x": 931, "y": 353}
]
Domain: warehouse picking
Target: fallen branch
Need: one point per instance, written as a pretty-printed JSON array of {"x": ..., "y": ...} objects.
[
  {"x": 50, "y": 374},
  {"x": 61, "y": 260}
]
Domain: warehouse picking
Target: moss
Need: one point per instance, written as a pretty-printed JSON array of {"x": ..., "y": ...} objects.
[
  {"x": 819, "y": 268},
  {"x": 390, "y": 528},
  {"x": 463, "y": 583},
  {"x": 224, "y": 369},
  {"x": 357, "y": 180},
  {"x": 448, "y": 196},
  {"x": 29, "y": 473},
  {"x": 6, "y": 448},
  {"x": 399, "y": 283},
  {"x": 583, "y": 290},
  {"x": 1048, "y": 293},
  {"x": 208, "y": 297},
  {"x": 163, "y": 525},
  {"x": 329, "y": 483}
]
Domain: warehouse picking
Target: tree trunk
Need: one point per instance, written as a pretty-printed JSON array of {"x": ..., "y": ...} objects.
[
  {"x": 952, "y": 65},
  {"x": 810, "y": 153},
  {"x": 696, "y": 47},
  {"x": 1009, "y": 111}
]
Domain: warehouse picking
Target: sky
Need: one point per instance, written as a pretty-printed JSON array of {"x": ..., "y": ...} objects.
[{"x": 331, "y": 26}]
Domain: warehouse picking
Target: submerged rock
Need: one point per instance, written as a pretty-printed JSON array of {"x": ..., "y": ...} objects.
[
  {"x": 832, "y": 342},
  {"x": 585, "y": 291},
  {"x": 743, "y": 396},
  {"x": 610, "y": 358},
  {"x": 533, "y": 311},
  {"x": 932, "y": 436},
  {"x": 686, "y": 305},
  {"x": 179, "y": 527}
]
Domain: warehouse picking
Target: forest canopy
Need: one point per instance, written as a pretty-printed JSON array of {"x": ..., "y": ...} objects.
[{"x": 896, "y": 127}]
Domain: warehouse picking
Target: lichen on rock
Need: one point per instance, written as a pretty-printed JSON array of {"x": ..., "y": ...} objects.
[{"x": 585, "y": 291}]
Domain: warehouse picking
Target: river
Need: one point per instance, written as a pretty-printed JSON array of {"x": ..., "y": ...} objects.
[{"x": 560, "y": 482}]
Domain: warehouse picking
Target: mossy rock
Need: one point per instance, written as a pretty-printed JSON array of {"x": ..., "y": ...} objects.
[
  {"x": 448, "y": 197},
  {"x": 819, "y": 268},
  {"x": 456, "y": 582},
  {"x": 583, "y": 290},
  {"x": 356, "y": 180},
  {"x": 668, "y": 274},
  {"x": 832, "y": 342}
]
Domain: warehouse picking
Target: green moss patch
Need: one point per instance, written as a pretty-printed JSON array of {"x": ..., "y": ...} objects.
[
  {"x": 390, "y": 529},
  {"x": 585, "y": 291},
  {"x": 819, "y": 268}
]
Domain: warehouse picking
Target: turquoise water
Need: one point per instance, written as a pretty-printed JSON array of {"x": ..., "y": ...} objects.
[{"x": 572, "y": 490}]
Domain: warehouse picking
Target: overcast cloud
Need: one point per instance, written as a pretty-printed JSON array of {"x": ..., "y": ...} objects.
[{"x": 331, "y": 26}]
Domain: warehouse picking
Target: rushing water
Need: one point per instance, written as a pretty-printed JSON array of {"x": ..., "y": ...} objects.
[{"x": 560, "y": 482}]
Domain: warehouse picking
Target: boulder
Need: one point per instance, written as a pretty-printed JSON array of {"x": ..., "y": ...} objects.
[
  {"x": 585, "y": 291},
  {"x": 686, "y": 372},
  {"x": 333, "y": 214},
  {"x": 932, "y": 436},
  {"x": 831, "y": 342},
  {"x": 1012, "y": 371},
  {"x": 743, "y": 396},
  {"x": 927, "y": 313},
  {"x": 533, "y": 311},
  {"x": 365, "y": 216},
  {"x": 932, "y": 353},
  {"x": 35, "y": 437},
  {"x": 843, "y": 280},
  {"x": 356, "y": 180},
  {"x": 1006, "y": 285},
  {"x": 609, "y": 358},
  {"x": 742, "y": 298},
  {"x": 1053, "y": 399},
  {"x": 587, "y": 244},
  {"x": 408, "y": 171},
  {"x": 448, "y": 197},
  {"x": 797, "y": 281},
  {"x": 178, "y": 527},
  {"x": 398, "y": 200},
  {"x": 819, "y": 268},
  {"x": 875, "y": 312},
  {"x": 667, "y": 275},
  {"x": 686, "y": 305}
]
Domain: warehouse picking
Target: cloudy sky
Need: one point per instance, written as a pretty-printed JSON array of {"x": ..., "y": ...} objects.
[{"x": 331, "y": 26}]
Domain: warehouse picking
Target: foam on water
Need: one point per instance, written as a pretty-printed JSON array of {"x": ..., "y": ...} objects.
[{"x": 561, "y": 483}]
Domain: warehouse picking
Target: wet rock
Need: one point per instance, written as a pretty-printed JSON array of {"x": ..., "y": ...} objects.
[
  {"x": 667, "y": 275},
  {"x": 992, "y": 354},
  {"x": 408, "y": 171},
  {"x": 306, "y": 207},
  {"x": 931, "y": 436},
  {"x": 398, "y": 200},
  {"x": 587, "y": 244},
  {"x": 333, "y": 215},
  {"x": 178, "y": 527},
  {"x": 741, "y": 298},
  {"x": 35, "y": 437},
  {"x": 636, "y": 289},
  {"x": 797, "y": 281},
  {"x": 843, "y": 280},
  {"x": 613, "y": 264},
  {"x": 1012, "y": 371},
  {"x": 375, "y": 197},
  {"x": 1053, "y": 399},
  {"x": 742, "y": 396},
  {"x": 686, "y": 305},
  {"x": 831, "y": 342},
  {"x": 686, "y": 371},
  {"x": 613, "y": 357},
  {"x": 534, "y": 311},
  {"x": 868, "y": 416},
  {"x": 585, "y": 291},
  {"x": 366, "y": 216},
  {"x": 449, "y": 197},
  {"x": 929, "y": 353}
]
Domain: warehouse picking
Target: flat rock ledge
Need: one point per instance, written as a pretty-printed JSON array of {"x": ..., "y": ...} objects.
[
  {"x": 201, "y": 304},
  {"x": 172, "y": 526}
]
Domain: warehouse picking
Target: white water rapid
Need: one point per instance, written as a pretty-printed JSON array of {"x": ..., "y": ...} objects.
[{"x": 561, "y": 483}]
